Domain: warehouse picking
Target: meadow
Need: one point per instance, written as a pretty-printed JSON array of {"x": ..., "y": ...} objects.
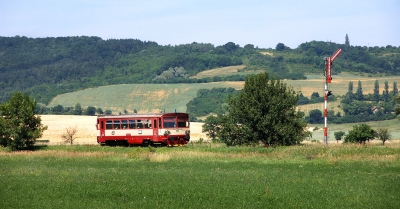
[{"x": 202, "y": 175}]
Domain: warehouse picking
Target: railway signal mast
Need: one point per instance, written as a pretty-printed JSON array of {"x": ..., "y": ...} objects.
[{"x": 328, "y": 79}]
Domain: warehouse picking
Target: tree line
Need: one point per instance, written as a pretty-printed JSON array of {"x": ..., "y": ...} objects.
[{"x": 76, "y": 110}]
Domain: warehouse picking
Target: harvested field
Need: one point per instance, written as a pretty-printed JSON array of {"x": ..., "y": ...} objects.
[
  {"x": 86, "y": 134},
  {"x": 223, "y": 71},
  {"x": 86, "y": 126}
]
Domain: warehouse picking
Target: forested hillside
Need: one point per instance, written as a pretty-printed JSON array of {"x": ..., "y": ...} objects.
[{"x": 45, "y": 67}]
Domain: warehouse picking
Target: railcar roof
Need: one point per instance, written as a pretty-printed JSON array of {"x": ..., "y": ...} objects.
[{"x": 141, "y": 115}]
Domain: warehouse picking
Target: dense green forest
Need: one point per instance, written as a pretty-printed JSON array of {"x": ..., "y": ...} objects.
[{"x": 45, "y": 67}]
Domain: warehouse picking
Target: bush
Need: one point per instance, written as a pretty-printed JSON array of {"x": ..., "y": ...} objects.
[
  {"x": 360, "y": 133},
  {"x": 68, "y": 137}
]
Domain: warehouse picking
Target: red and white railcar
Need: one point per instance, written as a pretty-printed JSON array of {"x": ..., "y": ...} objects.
[{"x": 171, "y": 129}]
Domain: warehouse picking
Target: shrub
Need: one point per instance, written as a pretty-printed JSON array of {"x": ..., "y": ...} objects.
[
  {"x": 68, "y": 137},
  {"x": 360, "y": 133}
]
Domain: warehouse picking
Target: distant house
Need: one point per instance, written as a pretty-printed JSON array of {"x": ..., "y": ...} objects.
[{"x": 375, "y": 109}]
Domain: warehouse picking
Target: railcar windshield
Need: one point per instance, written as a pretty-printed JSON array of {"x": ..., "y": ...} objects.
[
  {"x": 183, "y": 122},
  {"x": 169, "y": 122},
  {"x": 174, "y": 122}
]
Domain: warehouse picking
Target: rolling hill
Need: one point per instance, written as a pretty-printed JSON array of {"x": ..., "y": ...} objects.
[
  {"x": 142, "y": 97},
  {"x": 47, "y": 67},
  {"x": 168, "y": 97}
]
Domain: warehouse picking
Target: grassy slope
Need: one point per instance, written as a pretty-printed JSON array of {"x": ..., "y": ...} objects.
[{"x": 143, "y": 97}]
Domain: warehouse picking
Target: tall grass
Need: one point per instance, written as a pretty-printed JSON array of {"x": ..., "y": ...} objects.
[{"x": 202, "y": 176}]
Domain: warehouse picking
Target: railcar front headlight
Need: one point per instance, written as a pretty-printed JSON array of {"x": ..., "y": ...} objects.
[{"x": 166, "y": 133}]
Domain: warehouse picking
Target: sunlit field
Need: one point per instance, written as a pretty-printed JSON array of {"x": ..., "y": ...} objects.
[{"x": 202, "y": 175}]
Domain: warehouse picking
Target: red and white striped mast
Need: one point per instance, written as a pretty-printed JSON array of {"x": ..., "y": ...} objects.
[{"x": 328, "y": 79}]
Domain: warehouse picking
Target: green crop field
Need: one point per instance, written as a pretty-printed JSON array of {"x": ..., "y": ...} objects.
[
  {"x": 202, "y": 176},
  {"x": 142, "y": 97},
  {"x": 159, "y": 97}
]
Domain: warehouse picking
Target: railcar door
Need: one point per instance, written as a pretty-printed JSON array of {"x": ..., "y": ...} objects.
[
  {"x": 155, "y": 130},
  {"x": 102, "y": 128},
  {"x": 100, "y": 131}
]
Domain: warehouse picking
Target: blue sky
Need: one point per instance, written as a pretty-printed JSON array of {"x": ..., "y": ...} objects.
[{"x": 259, "y": 22}]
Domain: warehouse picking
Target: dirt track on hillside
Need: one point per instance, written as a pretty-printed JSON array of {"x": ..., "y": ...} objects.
[{"x": 86, "y": 126}]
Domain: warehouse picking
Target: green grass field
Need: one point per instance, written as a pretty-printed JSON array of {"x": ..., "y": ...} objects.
[{"x": 202, "y": 176}]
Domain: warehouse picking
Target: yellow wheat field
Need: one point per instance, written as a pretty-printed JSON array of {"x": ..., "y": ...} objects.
[{"x": 86, "y": 126}]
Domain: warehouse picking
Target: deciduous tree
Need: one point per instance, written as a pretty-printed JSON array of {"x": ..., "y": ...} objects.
[
  {"x": 383, "y": 134},
  {"x": 265, "y": 110},
  {"x": 280, "y": 47},
  {"x": 99, "y": 111},
  {"x": 19, "y": 126},
  {"x": 90, "y": 111},
  {"x": 339, "y": 135},
  {"x": 69, "y": 135},
  {"x": 396, "y": 99},
  {"x": 316, "y": 116},
  {"x": 211, "y": 127},
  {"x": 78, "y": 109},
  {"x": 360, "y": 133}
]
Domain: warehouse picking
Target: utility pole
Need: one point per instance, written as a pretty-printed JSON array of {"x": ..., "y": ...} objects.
[{"x": 328, "y": 79}]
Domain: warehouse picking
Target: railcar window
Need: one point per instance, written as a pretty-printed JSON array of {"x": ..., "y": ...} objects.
[
  {"x": 124, "y": 124},
  {"x": 132, "y": 124},
  {"x": 169, "y": 122},
  {"x": 147, "y": 123},
  {"x": 182, "y": 122},
  {"x": 109, "y": 124},
  {"x": 139, "y": 124},
  {"x": 117, "y": 124}
]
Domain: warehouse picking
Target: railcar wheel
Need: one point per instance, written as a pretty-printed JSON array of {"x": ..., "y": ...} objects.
[
  {"x": 146, "y": 143},
  {"x": 111, "y": 143}
]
